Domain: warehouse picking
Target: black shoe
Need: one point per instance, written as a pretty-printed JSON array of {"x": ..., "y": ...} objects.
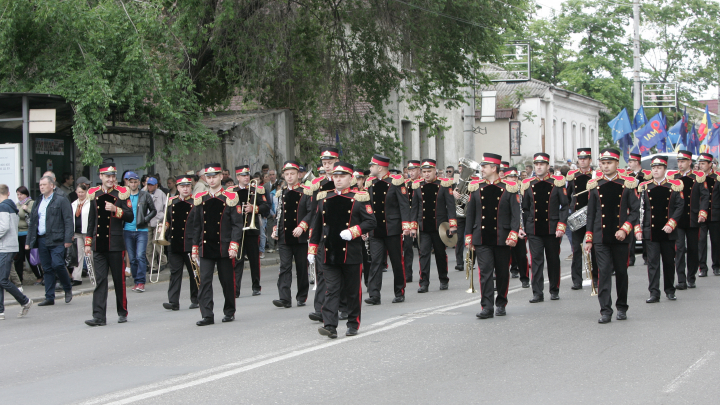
[
  {"x": 95, "y": 322},
  {"x": 459, "y": 267},
  {"x": 681, "y": 286},
  {"x": 576, "y": 287},
  {"x": 194, "y": 305},
  {"x": 443, "y": 286},
  {"x": 315, "y": 316},
  {"x": 652, "y": 300},
  {"x": 373, "y": 301},
  {"x": 46, "y": 303},
  {"x": 671, "y": 297},
  {"x": 408, "y": 280},
  {"x": 343, "y": 316},
  {"x": 621, "y": 316},
  {"x": 716, "y": 272},
  {"x": 237, "y": 295},
  {"x": 78, "y": 282},
  {"x": 68, "y": 297},
  {"x": 398, "y": 299},
  {"x": 301, "y": 303},
  {"x": 122, "y": 319},
  {"x": 500, "y": 311},
  {"x": 537, "y": 298},
  {"x": 282, "y": 304},
  {"x": 205, "y": 322},
  {"x": 351, "y": 332},
  {"x": 632, "y": 263},
  {"x": 256, "y": 292},
  {"x": 525, "y": 284},
  {"x": 228, "y": 318},
  {"x": 515, "y": 275},
  {"x": 605, "y": 319},
  {"x": 702, "y": 273},
  {"x": 328, "y": 331},
  {"x": 613, "y": 274},
  {"x": 690, "y": 284},
  {"x": 423, "y": 289},
  {"x": 485, "y": 313},
  {"x": 170, "y": 306},
  {"x": 554, "y": 296}
]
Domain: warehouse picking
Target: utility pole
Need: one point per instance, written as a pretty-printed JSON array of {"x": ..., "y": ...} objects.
[
  {"x": 636, "y": 56},
  {"x": 469, "y": 123}
]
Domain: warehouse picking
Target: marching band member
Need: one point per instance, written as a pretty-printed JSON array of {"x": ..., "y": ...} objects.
[
  {"x": 613, "y": 210},
  {"x": 342, "y": 217},
  {"x": 433, "y": 204},
  {"x": 545, "y": 212},
  {"x": 662, "y": 205},
  {"x": 216, "y": 234},
  {"x": 177, "y": 231},
  {"x": 493, "y": 221},
  {"x": 518, "y": 254},
  {"x": 291, "y": 232},
  {"x": 109, "y": 209},
  {"x": 388, "y": 196},
  {"x": 577, "y": 183},
  {"x": 413, "y": 171},
  {"x": 705, "y": 162},
  {"x": 635, "y": 170}
]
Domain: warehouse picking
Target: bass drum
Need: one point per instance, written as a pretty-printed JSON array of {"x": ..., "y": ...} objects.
[{"x": 578, "y": 219}]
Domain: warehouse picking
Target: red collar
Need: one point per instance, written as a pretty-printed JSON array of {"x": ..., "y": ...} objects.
[{"x": 345, "y": 191}]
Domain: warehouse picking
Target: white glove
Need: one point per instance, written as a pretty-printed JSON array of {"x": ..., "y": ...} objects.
[
  {"x": 346, "y": 235},
  {"x": 311, "y": 259}
]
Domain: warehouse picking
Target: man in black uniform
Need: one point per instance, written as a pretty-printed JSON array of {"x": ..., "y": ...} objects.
[
  {"x": 177, "y": 231},
  {"x": 109, "y": 209},
  {"x": 635, "y": 170},
  {"x": 493, "y": 221},
  {"x": 413, "y": 171},
  {"x": 518, "y": 254},
  {"x": 342, "y": 217},
  {"x": 216, "y": 234},
  {"x": 613, "y": 210},
  {"x": 662, "y": 207},
  {"x": 294, "y": 216},
  {"x": 714, "y": 228},
  {"x": 250, "y": 239},
  {"x": 695, "y": 212},
  {"x": 545, "y": 212},
  {"x": 705, "y": 163},
  {"x": 433, "y": 204},
  {"x": 460, "y": 246},
  {"x": 392, "y": 215},
  {"x": 577, "y": 182}
]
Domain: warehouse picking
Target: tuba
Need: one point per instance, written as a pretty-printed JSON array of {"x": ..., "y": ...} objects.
[
  {"x": 467, "y": 168},
  {"x": 308, "y": 177}
]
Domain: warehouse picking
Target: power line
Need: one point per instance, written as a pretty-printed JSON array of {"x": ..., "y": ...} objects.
[{"x": 462, "y": 20}]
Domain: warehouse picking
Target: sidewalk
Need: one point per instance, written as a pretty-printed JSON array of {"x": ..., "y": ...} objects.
[{"x": 37, "y": 292}]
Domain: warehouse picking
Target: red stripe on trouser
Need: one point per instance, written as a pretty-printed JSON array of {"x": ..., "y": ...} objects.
[
  {"x": 259, "y": 267},
  {"x": 479, "y": 281},
  {"x": 124, "y": 289},
  {"x": 359, "y": 297},
  {"x": 559, "y": 271},
  {"x": 402, "y": 260}
]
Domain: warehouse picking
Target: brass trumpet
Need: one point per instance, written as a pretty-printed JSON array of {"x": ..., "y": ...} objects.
[
  {"x": 469, "y": 266},
  {"x": 90, "y": 269},
  {"x": 587, "y": 265},
  {"x": 252, "y": 226},
  {"x": 195, "y": 270},
  {"x": 159, "y": 240}
]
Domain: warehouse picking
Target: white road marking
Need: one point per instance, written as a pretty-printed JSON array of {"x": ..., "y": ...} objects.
[{"x": 673, "y": 386}]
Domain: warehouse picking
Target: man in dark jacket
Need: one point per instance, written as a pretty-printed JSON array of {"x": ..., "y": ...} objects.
[
  {"x": 136, "y": 232},
  {"x": 51, "y": 230}
]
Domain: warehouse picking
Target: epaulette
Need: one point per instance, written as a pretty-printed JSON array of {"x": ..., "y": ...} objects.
[
  {"x": 591, "y": 184},
  {"x": 369, "y": 181},
  {"x": 511, "y": 186},
  {"x": 417, "y": 183},
  {"x": 260, "y": 190},
  {"x": 622, "y": 171},
  {"x": 197, "y": 198},
  {"x": 307, "y": 190},
  {"x": 699, "y": 176},
  {"x": 630, "y": 182},
  {"x": 643, "y": 186},
  {"x": 717, "y": 173},
  {"x": 173, "y": 197},
  {"x": 231, "y": 199},
  {"x": 676, "y": 185},
  {"x": 647, "y": 174},
  {"x": 598, "y": 173},
  {"x": 571, "y": 175},
  {"x": 123, "y": 192},
  {"x": 445, "y": 182},
  {"x": 671, "y": 173},
  {"x": 526, "y": 184},
  {"x": 231, "y": 188},
  {"x": 397, "y": 179},
  {"x": 315, "y": 184},
  {"x": 91, "y": 192},
  {"x": 321, "y": 195},
  {"x": 362, "y": 196},
  {"x": 475, "y": 185},
  {"x": 559, "y": 181},
  {"x": 353, "y": 181}
]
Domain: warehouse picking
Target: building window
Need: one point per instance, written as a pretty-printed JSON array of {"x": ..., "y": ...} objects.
[
  {"x": 440, "y": 147},
  {"x": 563, "y": 141}
]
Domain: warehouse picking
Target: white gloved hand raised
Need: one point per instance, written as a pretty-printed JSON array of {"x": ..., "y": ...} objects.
[
  {"x": 311, "y": 259},
  {"x": 346, "y": 235}
]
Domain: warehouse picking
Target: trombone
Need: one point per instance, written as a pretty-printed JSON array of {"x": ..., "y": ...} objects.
[
  {"x": 469, "y": 265},
  {"x": 195, "y": 270},
  {"x": 159, "y": 240},
  {"x": 255, "y": 183}
]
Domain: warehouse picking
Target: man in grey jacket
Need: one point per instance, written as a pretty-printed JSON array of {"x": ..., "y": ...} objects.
[
  {"x": 51, "y": 231},
  {"x": 8, "y": 247}
]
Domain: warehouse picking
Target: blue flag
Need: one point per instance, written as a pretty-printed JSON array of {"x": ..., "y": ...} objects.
[
  {"x": 626, "y": 142},
  {"x": 713, "y": 141},
  {"x": 652, "y": 133},
  {"x": 674, "y": 132},
  {"x": 685, "y": 127},
  {"x": 640, "y": 119},
  {"x": 620, "y": 125},
  {"x": 693, "y": 144},
  {"x": 337, "y": 142}
]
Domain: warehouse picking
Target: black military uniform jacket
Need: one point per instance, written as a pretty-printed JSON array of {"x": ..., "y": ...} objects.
[
  {"x": 715, "y": 206},
  {"x": 390, "y": 203},
  {"x": 663, "y": 205},
  {"x": 545, "y": 205},
  {"x": 408, "y": 187},
  {"x": 696, "y": 196},
  {"x": 577, "y": 183},
  {"x": 711, "y": 181},
  {"x": 105, "y": 229},
  {"x": 613, "y": 205},
  {"x": 178, "y": 226},
  {"x": 338, "y": 211},
  {"x": 217, "y": 224},
  {"x": 493, "y": 211},
  {"x": 317, "y": 185},
  {"x": 262, "y": 206},
  {"x": 433, "y": 204},
  {"x": 296, "y": 211}
]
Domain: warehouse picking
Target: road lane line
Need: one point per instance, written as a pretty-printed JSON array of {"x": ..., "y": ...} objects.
[{"x": 673, "y": 386}]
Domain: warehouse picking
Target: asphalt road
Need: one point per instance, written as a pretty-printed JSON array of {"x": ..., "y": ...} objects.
[{"x": 430, "y": 349}]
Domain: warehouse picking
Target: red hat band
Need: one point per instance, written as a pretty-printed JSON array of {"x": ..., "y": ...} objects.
[
  {"x": 429, "y": 163},
  {"x": 329, "y": 153},
  {"x": 291, "y": 166},
  {"x": 243, "y": 170},
  {"x": 108, "y": 169},
  {"x": 342, "y": 169},
  {"x": 380, "y": 163},
  {"x": 684, "y": 155},
  {"x": 491, "y": 160}
]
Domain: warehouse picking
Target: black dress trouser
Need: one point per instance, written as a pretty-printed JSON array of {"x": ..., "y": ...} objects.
[
  {"x": 612, "y": 257},
  {"x": 251, "y": 248},
  {"x": 428, "y": 242},
  {"x": 656, "y": 251},
  {"x": 576, "y": 268},
  {"x": 540, "y": 248},
  {"x": 460, "y": 246},
  {"x": 379, "y": 249},
  {"x": 519, "y": 260},
  {"x": 227, "y": 282},
  {"x": 342, "y": 281},
  {"x": 104, "y": 263},
  {"x": 176, "y": 262},
  {"x": 714, "y": 230},
  {"x": 288, "y": 253},
  {"x": 687, "y": 244},
  {"x": 408, "y": 256},
  {"x": 493, "y": 259}
]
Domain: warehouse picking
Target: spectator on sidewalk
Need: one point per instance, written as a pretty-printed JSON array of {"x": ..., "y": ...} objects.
[
  {"x": 158, "y": 199},
  {"x": 25, "y": 205},
  {"x": 228, "y": 183},
  {"x": 67, "y": 184},
  {"x": 136, "y": 233},
  {"x": 58, "y": 190},
  {"x": 201, "y": 184},
  {"x": 160, "y": 186},
  {"x": 171, "y": 187},
  {"x": 81, "y": 180},
  {"x": 265, "y": 168},
  {"x": 51, "y": 231},
  {"x": 8, "y": 248},
  {"x": 81, "y": 209}
]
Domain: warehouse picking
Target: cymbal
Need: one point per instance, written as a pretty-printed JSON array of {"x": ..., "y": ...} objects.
[{"x": 449, "y": 241}]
